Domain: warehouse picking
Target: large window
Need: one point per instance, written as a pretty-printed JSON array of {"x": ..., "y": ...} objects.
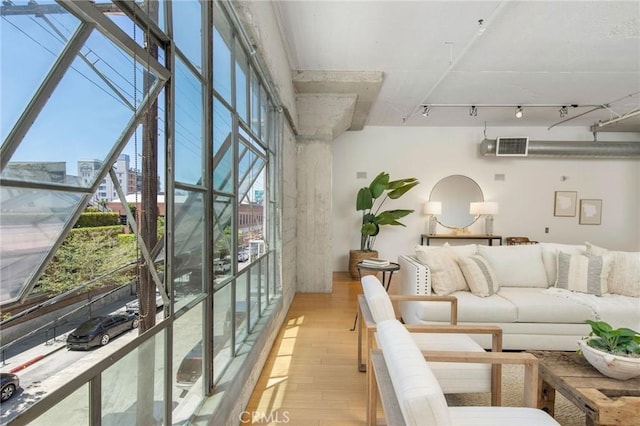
[{"x": 93, "y": 98}]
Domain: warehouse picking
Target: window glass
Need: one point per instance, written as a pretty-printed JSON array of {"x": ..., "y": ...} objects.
[
  {"x": 222, "y": 148},
  {"x": 222, "y": 238},
  {"x": 120, "y": 388},
  {"x": 264, "y": 107},
  {"x": 187, "y": 364},
  {"x": 264, "y": 283},
  {"x": 222, "y": 330},
  {"x": 241, "y": 312},
  {"x": 187, "y": 30},
  {"x": 29, "y": 49},
  {"x": 255, "y": 102},
  {"x": 32, "y": 221},
  {"x": 222, "y": 42},
  {"x": 241, "y": 83},
  {"x": 95, "y": 115},
  {"x": 188, "y": 247},
  {"x": 188, "y": 128},
  {"x": 254, "y": 294},
  {"x": 73, "y": 410}
]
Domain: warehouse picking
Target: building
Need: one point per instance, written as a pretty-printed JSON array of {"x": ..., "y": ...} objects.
[
  {"x": 313, "y": 134},
  {"x": 127, "y": 177}
]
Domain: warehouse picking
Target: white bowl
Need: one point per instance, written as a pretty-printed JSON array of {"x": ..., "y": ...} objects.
[{"x": 614, "y": 366}]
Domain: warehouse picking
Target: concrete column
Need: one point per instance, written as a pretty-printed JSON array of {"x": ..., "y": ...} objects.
[{"x": 322, "y": 118}]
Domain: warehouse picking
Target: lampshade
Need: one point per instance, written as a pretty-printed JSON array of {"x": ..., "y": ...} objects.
[
  {"x": 432, "y": 207},
  {"x": 486, "y": 207}
]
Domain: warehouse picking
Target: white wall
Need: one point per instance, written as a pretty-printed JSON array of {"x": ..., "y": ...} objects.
[{"x": 526, "y": 196}]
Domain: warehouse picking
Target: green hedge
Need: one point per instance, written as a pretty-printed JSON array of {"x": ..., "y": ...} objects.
[{"x": 92, "y": 219}]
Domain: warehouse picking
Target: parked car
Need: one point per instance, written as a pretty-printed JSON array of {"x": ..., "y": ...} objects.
[
  {"x": 100, "y": 330},
  {"x": 9, "y": 383},
  {"x": 243, "y": 256},
  {"x": 222, "y": 266},
  {"x": 133, "y": 307}
]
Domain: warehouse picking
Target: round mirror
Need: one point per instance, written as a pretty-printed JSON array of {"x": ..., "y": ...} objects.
[{"x": 455, "y": 192}]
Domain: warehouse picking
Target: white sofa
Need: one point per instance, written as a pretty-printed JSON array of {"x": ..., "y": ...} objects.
[{"x": 540, "y": 295}]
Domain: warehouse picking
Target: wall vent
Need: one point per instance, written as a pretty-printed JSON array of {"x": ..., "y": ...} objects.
[{"x": 512, "y": 147}]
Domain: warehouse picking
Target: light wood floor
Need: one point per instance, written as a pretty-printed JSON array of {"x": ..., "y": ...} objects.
[{"x": 311, "y": 377}]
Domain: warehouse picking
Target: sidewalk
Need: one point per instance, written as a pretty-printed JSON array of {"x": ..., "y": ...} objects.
[{"x": 28, "y": 357}]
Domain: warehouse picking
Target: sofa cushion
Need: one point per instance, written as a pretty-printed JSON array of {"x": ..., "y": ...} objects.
[
  {"x": 550, "y": 257},
  {"x": 479, "y": 275},
  {"x": 586, "y": 274},
  {"x": 446, "y": 276},
  {"x": 624, "y": 278},
  {"x": 535, "y": 305},
  {"x": 456, "y": 377},
  {"x": 377, "y": 299},
  {"x": 418, "y": 392},
  {"x": 521, "y": 416},
  {"x": 617, "y": 310},
  {"x": 516, "y": 266},
  {"x": 471, "y": 308}
]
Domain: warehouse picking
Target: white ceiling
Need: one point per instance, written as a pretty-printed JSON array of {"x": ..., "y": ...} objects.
[{"x": 437, "y": 53}]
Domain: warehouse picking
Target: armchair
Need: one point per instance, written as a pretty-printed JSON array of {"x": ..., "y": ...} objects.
[
  {"x": 411, "y": 395},
  {"x": 375, "y": 305}
]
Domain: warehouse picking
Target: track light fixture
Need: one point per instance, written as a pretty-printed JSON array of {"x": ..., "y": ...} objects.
[
  {"x": 519, "y": 112},
  {"x": 426, "y": 110},
  {"x": 564, "y": 111},
  {"x": 473, "y": 111}
]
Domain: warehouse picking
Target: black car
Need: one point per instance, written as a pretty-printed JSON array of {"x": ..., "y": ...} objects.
[
  {"x": 9, "y": 383},
  {"x": 99, "y": 330}
]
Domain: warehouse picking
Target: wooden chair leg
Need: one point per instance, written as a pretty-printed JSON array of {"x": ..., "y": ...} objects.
[
  {"x": 496, "y": 385},
  {"x": 372, "y": 395}
]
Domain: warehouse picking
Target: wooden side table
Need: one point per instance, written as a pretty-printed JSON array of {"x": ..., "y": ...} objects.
[
  {"x": 391, "y": 268},
  {"x": 605, "y": 401}
]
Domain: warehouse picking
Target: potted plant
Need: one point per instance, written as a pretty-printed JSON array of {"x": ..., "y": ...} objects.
[
  {"x": 369, "y": 201},
  {"x": 613, "y": 352}
]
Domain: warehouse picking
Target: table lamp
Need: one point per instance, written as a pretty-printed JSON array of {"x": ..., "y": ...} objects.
[
  {"x": 487, "y": 209},
  {"x": 431, "y": 209}
]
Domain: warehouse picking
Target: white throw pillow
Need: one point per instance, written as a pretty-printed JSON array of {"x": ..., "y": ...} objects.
[
  {"x": 624, "y": 278},
  {"x": 446, "y": 276},
  {"x": 516, "y": 266},
  {"x": 464, "y": 250},
  {"x": 584, "y": 274},
  {"x": 479, "y": 275}
]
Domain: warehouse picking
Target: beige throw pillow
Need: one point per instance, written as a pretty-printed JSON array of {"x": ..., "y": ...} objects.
[
  {"x": 479, "y": 275},
  {"x": 624, "y": 278},
  {"x": 584, "y": 274},
  {"x": 446, "y": 276}
]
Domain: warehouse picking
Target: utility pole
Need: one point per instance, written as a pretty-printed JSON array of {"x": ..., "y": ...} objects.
[{"x": 149, "y": 214}]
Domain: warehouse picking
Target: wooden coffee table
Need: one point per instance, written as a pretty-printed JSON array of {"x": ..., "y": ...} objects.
[{"x": 605, "y": 401}]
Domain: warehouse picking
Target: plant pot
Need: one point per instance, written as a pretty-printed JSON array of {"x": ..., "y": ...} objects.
[
  {"x": 614, "y": 366},
  {"x": 357, "y": 256}
]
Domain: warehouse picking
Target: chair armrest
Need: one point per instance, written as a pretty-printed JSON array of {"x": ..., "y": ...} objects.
[
  {"x": 424, "y": 298},
  {"x": 529, "y": 361},
  {"x": 495, "y": 331}
]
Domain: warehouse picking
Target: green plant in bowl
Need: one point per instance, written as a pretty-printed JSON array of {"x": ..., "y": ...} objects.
[
  {"x": 613, "y": 352},
  {"x": 616, "y": 341}
]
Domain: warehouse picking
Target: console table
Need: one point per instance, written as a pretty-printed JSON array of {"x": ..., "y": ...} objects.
[{"x": 488, "y": 238}]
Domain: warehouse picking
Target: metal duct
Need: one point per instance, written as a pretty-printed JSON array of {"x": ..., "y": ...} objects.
[{"x": 574, "y": 149}]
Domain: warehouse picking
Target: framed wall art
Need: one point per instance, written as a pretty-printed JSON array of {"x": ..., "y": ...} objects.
[
  {"x": 565, "y": 203},
  {"x": 590, "y": 212}
]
